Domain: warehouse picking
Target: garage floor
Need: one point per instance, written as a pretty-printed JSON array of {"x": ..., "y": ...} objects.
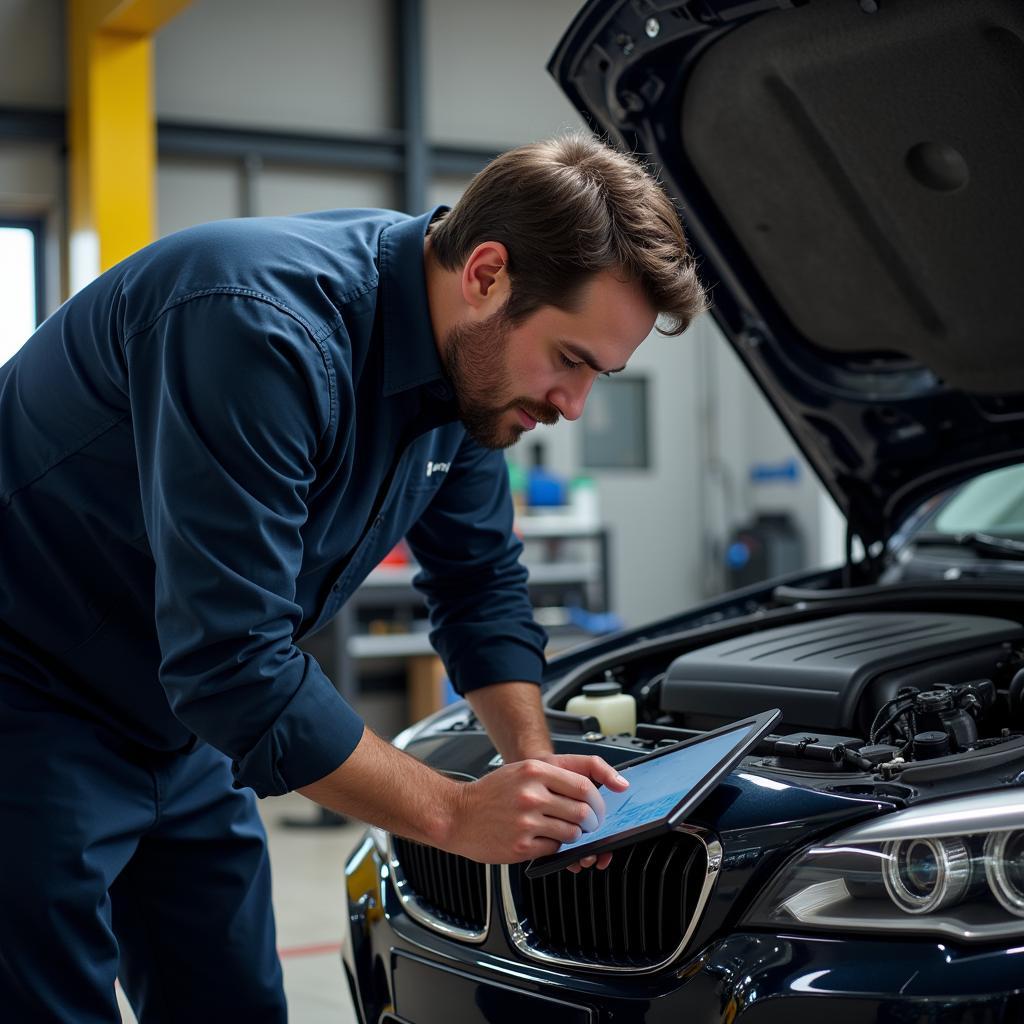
[{"x": 307, "y": 868}]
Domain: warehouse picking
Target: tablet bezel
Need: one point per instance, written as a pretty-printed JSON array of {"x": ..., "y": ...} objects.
[{"x": 759, "y": 725}]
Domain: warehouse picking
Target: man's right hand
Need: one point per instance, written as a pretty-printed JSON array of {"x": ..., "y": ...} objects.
[{"x": 520, "y": 811}]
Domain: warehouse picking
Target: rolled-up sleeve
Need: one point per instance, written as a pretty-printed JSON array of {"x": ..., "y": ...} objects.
[
  {"x": 231, "y": 400},
  {"x": 481, "y": 618}
]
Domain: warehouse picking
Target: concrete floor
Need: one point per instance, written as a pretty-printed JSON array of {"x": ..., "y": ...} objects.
[{"x": 307, "y": 868}]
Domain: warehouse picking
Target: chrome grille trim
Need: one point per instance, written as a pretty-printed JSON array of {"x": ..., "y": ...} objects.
[
  {"x": 521, "y": 936},
  {"x": 421, "y": 911}
]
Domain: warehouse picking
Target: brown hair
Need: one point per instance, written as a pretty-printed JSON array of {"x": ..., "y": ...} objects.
[{"x": 566, "y": 209}]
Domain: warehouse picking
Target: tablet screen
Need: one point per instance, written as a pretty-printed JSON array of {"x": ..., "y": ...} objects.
[{"x": 658, "y": 786}]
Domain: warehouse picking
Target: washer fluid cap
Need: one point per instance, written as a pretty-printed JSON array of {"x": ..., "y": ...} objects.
[{"x": 606, "y": 689}]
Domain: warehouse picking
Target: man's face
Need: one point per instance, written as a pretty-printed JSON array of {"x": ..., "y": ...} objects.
[{"x": 508, "y": 379}]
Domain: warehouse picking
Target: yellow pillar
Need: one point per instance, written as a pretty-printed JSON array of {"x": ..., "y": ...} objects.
[{"x": 111, "y": 130}]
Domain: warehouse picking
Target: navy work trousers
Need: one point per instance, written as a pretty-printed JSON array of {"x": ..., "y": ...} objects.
[{"x": 118, "y": 862}]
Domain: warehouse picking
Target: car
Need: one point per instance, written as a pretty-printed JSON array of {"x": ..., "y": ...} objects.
[{"x": 849, "y": 175}]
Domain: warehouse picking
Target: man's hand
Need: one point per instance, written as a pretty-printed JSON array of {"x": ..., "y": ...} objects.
[
  {"x": 601, "y": 773},
  {"x": 517, "y": 812},
  {"x": 529, "y": 808},
  {"x": 513, "y": 715}
]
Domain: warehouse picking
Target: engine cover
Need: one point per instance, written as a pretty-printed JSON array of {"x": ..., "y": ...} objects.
[{"x": 821, "y": 672}]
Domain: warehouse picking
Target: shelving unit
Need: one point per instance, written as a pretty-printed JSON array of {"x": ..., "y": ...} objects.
[{"x": 555, "y": 579}]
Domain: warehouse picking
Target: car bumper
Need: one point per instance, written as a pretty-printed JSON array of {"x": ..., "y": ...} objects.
[{"x": 399, "y": 970}]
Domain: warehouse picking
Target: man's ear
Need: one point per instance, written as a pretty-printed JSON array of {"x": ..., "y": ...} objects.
[{"x": 485, "y": 282}]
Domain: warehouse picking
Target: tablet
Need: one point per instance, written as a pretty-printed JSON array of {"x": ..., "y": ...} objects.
[{"x": 664, "y": 786}]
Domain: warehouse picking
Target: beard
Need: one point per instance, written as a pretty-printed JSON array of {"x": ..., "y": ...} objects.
[{"x": 475, "y": 357}]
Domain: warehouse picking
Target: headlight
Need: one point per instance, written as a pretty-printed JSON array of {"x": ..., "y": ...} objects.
[{"x": 952, "y": 867}]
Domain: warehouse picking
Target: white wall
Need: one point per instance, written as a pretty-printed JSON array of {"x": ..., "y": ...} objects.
[
  {"x": 291, "y": 190},
  {"x": 485, "y": 78},
  {"x": 305, "y": 65},
  {"x": 192, "y": 193}
]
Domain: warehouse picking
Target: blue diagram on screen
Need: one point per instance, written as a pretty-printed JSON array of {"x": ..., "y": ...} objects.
[{"x": 659, "y": 785}]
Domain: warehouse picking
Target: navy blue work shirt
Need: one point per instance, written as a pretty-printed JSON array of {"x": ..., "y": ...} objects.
[{"x": 205, "y": 451}]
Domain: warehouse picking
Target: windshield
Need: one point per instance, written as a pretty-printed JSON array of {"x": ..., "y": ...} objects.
[{"x": 991, "y": 504}]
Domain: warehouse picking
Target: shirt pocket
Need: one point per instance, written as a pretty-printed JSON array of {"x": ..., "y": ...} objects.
[{"x": 366, "y": 555}]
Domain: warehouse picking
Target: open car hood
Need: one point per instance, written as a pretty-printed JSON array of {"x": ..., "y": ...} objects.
[{"x": 850, "y": 176}]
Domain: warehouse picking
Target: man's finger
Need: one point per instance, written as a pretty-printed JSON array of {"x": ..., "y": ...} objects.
[
  {"x": 575, "y": 785},
  {"x": 605, "y": 775},
  {"x": 541, "y": 846},
  {"x": 563, "y": 831},
  {"x": 593, "y": 767},
  {"x": 585, "y": 862},
  {"x": 577, "y": 812}
]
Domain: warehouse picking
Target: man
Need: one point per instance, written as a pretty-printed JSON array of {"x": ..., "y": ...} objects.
[{"x": 201, "y": 456}]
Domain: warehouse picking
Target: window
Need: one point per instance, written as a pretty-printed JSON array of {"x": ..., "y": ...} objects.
[
  {"x": 21, "y": 283},
  {"x": 615, "y": 424}
]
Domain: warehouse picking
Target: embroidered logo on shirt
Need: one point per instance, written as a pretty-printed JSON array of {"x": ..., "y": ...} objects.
[{"x": 437, "y": 467}]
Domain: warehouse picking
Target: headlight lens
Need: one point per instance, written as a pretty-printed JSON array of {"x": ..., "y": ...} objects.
[
  {"x": 922, "y": 875},
  {"x": 909, "y": 872},
  {"x": 1004, "y": 864}
]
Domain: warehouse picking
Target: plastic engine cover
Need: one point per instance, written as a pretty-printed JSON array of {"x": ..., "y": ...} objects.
[{"x": 818, "y": 671}]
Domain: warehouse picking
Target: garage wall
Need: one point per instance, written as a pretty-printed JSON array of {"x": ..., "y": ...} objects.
[
  {"x": 32, "y": 53},
  {"x": 192, "y": 193},
  {"x": 306, "y": 65},
  {"x": 485, "y": 77}
]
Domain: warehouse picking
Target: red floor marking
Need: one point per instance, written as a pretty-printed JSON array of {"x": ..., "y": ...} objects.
[{"x": 313, "y": 950}]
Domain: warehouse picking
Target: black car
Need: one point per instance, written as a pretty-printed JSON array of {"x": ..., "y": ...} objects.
[{"x": 850, "y": 175}]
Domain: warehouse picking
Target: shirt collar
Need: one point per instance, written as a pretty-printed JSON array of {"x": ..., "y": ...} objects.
[{"x": 410, "y": 349}]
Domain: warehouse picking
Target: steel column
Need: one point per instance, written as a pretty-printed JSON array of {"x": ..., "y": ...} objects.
[
  {"x": 111, "y": 134},
  {"x": 408, "y": 15}
]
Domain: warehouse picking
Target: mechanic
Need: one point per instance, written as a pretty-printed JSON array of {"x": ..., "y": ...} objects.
[{"x": 202, "y": 454}]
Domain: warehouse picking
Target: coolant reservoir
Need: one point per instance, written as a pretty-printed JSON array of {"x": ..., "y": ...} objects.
[{"x": 615, "y": 710}]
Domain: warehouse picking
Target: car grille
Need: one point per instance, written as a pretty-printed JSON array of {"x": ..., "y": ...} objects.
[
  {"x": 636, "y": 914},
  {"x": 449, "y": 891}
]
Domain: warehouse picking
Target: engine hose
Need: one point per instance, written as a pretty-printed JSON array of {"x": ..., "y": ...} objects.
[
  {"x": 891, "y": 720},
  {"x": 883, "y": 710}
]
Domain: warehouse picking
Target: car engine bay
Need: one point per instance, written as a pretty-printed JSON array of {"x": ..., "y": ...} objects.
[{"x": 906, "y": 695}]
